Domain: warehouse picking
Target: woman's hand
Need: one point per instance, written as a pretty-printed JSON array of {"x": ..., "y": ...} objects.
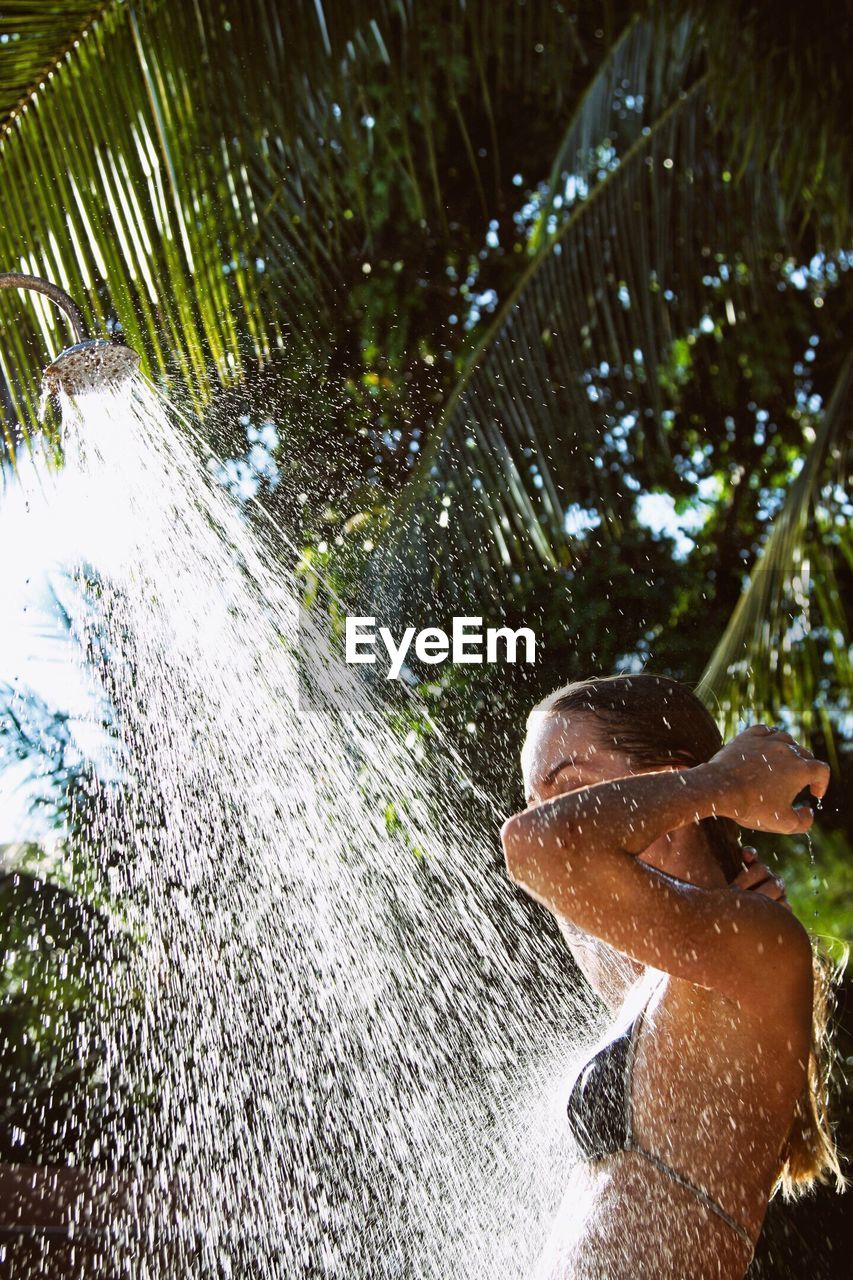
[
  {"x": 757, "y": 878},
  {"x": 760, "y": 773}
]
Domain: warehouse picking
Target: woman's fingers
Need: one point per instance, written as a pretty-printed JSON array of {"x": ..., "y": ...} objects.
[
  {"x": 756, "y": 878},
  {"x": 761, "y": 773},
  {"x": 819, "y": 775},
  {"x": 753, "y": 875},
  {"x": 802, "y": 819},
  {"x": 812, "y": 773},
  {"x": 781, "y": 735}
]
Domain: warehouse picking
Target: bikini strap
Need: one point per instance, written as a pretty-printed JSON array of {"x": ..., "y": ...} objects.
[
  {"x": 629, "y": 1069},
  {"x": 633, "y": 1145},
  {"x": 708, "y": 1201}
]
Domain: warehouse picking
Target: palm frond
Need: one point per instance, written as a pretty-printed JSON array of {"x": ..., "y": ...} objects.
[
  {"x": 778, "y": 77},
  {"x": 113, "y": 205},
  {"x": 35, "y": 39},
  {"x": 790, "y": 621},
  {"x": 210, "y": 189},
  {"x": 631, "y": 88},
  {"x": 569, "y": 370}
]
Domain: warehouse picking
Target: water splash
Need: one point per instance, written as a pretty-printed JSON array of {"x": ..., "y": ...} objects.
[{"x": 341, "y": 1033}]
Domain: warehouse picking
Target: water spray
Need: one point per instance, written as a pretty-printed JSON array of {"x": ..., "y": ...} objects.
[{"x": 90, "y": 363}]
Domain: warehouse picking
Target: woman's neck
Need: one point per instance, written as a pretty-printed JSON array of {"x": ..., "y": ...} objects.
[
  {"x": 610, "y": 974},
  {"x": 685, "y": 854}
]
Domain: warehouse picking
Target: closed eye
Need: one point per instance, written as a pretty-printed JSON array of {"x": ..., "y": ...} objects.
[{"x": 552, "y": 776}]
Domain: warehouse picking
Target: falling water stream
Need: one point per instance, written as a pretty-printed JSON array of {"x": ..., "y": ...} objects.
[{"x": 349, "y": 1041}]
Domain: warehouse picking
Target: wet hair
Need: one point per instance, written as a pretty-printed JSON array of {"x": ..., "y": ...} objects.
[{"x": 657, "y": 721}]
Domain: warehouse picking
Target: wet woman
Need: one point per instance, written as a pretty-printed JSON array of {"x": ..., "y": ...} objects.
[{"x": 709, "y": 1092}]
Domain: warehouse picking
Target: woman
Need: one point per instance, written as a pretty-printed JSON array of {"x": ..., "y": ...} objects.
[{"x": 709, "y": 1093}]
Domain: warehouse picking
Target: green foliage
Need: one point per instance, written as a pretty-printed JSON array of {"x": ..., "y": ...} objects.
[
  {"x": 215, "y": 220},
  {"x": 36, "y": 37},
  {"x": 789, "y": 631},
  {"x": 62, "y": 958},
  {"x": 395, "y": 825},
  {"x": 134, "y": 214},
  {"x": 818, "y": 875},
  {"x": 567, "y": 164},
  {"x": 67, "y": 947},
  {"x": 777, "y": 79}
]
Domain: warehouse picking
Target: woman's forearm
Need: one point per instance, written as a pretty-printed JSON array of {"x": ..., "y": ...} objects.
[{"x": 626, "y": 814}]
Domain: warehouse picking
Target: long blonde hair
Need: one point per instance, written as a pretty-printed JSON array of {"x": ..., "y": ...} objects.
[
  {"x": 809, "y": 1154},
  {"x": 657, "y": 720}
]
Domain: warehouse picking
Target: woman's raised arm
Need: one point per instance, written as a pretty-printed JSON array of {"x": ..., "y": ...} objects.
[{"x": 576, "y": 854}]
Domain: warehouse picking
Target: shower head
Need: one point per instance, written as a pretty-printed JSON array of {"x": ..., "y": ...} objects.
[
  {"x": 89, "y": 366},
  {"x": 91, "y": 363}
]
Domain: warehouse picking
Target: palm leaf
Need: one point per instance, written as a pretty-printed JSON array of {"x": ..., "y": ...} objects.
[
  {"x": 157, "y": 178},
  {"x": 574, "y": 351},
  {"x": 790, "y": 622},
  {"x": 107, "y": 203},
  {"x": 36, "y": 38},
  {"x": 778, "y": 79},
  {"x": 633, "y": 85}
]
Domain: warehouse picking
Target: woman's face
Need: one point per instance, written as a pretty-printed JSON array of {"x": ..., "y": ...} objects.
[
  {"x": 562, "y": 754},
  {"x": 565, "y": 752}
]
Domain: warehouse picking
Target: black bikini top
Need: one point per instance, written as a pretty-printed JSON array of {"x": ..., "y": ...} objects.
[{"x": 599, "y": 1103}]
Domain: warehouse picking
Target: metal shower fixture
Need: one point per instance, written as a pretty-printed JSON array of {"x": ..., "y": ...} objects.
[{"x": 90, "y": 363}]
